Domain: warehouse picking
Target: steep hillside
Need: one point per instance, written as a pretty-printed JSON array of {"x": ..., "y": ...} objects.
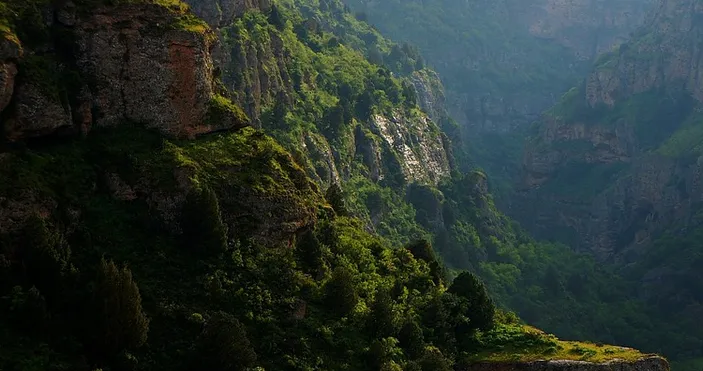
[
  {"x": 148, "y": 222},
  {"x": 504, "y": 62},
  {"x": 615, "y": 167}
]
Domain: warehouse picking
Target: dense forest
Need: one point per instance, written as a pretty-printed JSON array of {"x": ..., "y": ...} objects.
[{"x": 234, "y": 185}]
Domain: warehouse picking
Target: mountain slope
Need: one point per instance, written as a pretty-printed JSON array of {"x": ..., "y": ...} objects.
[
  {"x": 145, "y": 224},
  {"x": 614, "y": 167},
  {"x": 504, "y": 62}
]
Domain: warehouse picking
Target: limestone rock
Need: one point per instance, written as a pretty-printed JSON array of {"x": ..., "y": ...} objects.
[
  {"x": 145, "y": 68},
  {"x": 666, "y": 52},
  {"x": 37, "y": 112},
  {"x": 418, "y": 145},
  {"x": 430, "y": 94}
]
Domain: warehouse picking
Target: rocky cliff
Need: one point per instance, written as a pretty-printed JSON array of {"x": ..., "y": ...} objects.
[
  {"x": 222, "y": 247},
  {"x": 587, "y": 27},
  {"x": 129, "y": 63},
  {"x": 621, "y": 129},
  {"x": 615, "y": 167},
  {"x": 500, "y": 78},
  {"x": 264, "y": 73}
]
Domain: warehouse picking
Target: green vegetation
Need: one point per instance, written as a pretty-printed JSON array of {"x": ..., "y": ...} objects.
[
  {"x": 497, "y": 75},
  {"x": 223, "y": 253},
  {"x": 222, "y": 109},
  {"x": 646, "y": 129},
  {"x": 514, "y": 342},
  {"x": 341, "y": 298}
]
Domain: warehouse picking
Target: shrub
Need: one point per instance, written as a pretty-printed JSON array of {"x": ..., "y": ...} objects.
[
  {"x": 434, "y": 360},
  {"x": 335, "y": 197}
]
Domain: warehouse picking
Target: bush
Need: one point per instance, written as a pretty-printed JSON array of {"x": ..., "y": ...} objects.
[
  {"x": 422, "y": 250},
  {"x": 309, "y": 252},
  {"x": 335, "y": 197},
  {"x": 29, "y": 308},
  {"x": 45, "y": 258}
]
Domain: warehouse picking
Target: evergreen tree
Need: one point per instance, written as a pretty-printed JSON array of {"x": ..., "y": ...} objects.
[
  {"x": 335, "y": 197},
  {"x": 276, "y": 18},
  {"x": 223, "y": 345},
  {"x": 410, "y": 94},
  {"x": 364, "y": 105},
  {"x": 411, "y": 339},
  {"x": 45, "y": 258},
  {"x": 333, "y": 122},
  {"x": 422, "y": 250},
  {"x": 309, "y": 252},
  {"x": 434, "y": 360},
  {"x": 479, "y": 307},
  {"x": 381, "y": 320},
  {"x": 201, "y": 222},
  {"x": 119, "y": 321},
  {"x": 340, "y": 292}
]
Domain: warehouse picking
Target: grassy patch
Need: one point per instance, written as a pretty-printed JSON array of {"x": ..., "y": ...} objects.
[
  {"x": 247, "y": 158},
  {"x": 222, "y": 108},
  {"x": 521, "y": 343}
]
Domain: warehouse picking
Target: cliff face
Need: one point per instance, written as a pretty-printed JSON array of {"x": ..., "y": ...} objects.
[
  {"x": 263, "y": 72},
  {"x": 663, "y": 54},
  {"x": 498, "y": 78},
  {"x": 417, "y": 144},
  {"x": 587, "y": 27},
  {"x": 624, "y": 129},
  {"x": 10, "y": 52},
  {"x": 142, "y": 63}
]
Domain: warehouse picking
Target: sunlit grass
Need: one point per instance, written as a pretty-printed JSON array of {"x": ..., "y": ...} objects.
[{"x": 521, "y": 343}]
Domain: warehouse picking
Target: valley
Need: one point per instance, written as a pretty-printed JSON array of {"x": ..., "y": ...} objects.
[{"x": 318, "y": 185}]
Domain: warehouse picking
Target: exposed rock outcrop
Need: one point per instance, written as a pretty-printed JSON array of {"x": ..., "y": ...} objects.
[
  {"x": 37, "y": 112},
  {"x": 587, "y": 27},
  {"x": 430, "y": 94},
  {"x": 147, "y": 70},
  {"x": 418, "y": 144},
  {"x": 561, "y": 143},
  {"x": 142, "y": 63},
  {"x": 622, "y": 190},
  {"x": 664, "y": 54}
]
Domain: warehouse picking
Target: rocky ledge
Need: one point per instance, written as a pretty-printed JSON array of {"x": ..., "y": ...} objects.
[{"x": 651, "y": 363}]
